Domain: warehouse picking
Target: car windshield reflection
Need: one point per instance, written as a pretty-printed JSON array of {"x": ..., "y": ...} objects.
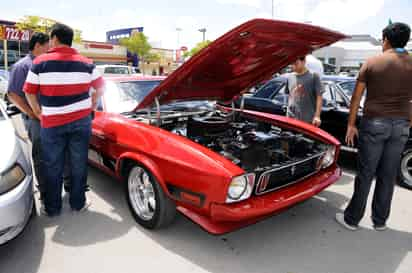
[{"x": 121, "y": 97}]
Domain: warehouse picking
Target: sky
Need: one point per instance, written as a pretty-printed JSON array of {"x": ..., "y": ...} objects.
[{"x": 161, "y": 18}]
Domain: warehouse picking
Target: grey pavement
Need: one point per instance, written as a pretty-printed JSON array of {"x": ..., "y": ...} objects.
[{"x": 304, "y": 239}]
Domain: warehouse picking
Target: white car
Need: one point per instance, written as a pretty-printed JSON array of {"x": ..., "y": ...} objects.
[
  {"x": 16, "y": 186},
  {"x": 4, "y": 80},
  {"x": 117, "y": 70}
]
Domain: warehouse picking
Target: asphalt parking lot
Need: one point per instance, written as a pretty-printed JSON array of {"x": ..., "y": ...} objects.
[{"x": 304, "y": 239}]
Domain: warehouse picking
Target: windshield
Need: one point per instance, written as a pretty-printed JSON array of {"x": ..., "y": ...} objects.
[
  {"x": 121, "y": 97},
  {"x": 348, "y": 87},
  {"x": 267, "y": 90},
  {"x": 116, "y": 70}
]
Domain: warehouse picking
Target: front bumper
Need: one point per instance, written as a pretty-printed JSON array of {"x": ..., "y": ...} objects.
[
  {"x": 15, "y": 209},
  {"x": 228, "y": 217}
]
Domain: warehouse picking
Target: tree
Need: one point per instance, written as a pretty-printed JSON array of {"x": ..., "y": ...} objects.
[
  {"x": 138, "y": 44},
  {"x": 41, "y": 24},
  {"x": 197, "y": 48}
]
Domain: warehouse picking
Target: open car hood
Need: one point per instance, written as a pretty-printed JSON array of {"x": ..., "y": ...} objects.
[{"x": 241, "y": 58}]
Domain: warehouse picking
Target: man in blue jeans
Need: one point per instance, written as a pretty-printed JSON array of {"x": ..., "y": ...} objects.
[
  {"x": 63, "y": 79},
  {"x": 38, "y": 44},
  {"x": 384, "y": 128}
]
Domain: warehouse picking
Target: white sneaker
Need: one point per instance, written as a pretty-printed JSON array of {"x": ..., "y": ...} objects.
[
  {"x": 380, "y": 228},
  {"x": 340, "y": 218}
]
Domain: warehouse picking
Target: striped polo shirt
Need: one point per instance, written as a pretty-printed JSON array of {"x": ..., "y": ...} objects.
[{"x": 63, "y": 79}]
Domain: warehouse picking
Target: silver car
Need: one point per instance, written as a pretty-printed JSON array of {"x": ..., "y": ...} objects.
[
  {"x": 3, "y": 84},
  {"x": 16, "y": 188}
]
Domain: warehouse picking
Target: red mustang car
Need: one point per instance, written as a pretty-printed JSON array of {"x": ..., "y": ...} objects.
[{"x": 175, "y": 149}]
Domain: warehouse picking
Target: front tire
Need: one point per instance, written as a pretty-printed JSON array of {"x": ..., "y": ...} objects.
[
  {"x": 148, "y": 203},
  {"x": 405, "y": 173}
]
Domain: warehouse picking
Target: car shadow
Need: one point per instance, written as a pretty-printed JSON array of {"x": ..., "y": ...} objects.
[{"x": 302, "y": 239}]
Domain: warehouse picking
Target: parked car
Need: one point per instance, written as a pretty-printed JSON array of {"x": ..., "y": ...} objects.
[
  {"x": 176, "y": 150},
  {"x": 117, "y": 70},
  {"x": 272, "y": 98},
  {"x": 12, "y": 56},
  {"x": 16, "y": 190},
  {"x": 4, "y": 81}
]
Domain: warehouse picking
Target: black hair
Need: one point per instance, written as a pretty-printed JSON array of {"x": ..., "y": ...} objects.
[
  {"x": 397, "y": 34},
  {"x": 63, "y": 33},
  {"x": 38, "y": 37},
  {"x": 302, "y": 58}
]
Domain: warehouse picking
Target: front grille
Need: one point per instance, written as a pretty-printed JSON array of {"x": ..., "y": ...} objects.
[{"x": 286, "y": 175}]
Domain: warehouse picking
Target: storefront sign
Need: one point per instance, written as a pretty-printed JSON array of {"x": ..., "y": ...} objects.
[{"x": 14, "y": 34}]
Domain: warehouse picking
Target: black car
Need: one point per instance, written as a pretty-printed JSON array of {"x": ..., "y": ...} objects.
[{"x": 272, "y": 98}]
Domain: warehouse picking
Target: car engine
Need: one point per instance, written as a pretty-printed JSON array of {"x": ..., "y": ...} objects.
[{"x": 251, "y": 145}]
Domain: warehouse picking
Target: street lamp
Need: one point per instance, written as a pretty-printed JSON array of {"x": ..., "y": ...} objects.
[
  {"x": 203, "y": 30},
  {"x": 273, "y": 8},
  {"x": 178, "y": 29}
]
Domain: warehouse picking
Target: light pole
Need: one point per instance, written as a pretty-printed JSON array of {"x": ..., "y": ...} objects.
[
  {"x": 178, "y": 29},
  {"x": 273, "y": 8},
  {"x": 203, "y": 30}
]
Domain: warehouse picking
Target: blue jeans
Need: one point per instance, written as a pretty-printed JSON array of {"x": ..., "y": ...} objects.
[
  {"x": 71, "y": 139},
  {"x": 33, "y": 131},
  {"x": 381, "y": 142}
]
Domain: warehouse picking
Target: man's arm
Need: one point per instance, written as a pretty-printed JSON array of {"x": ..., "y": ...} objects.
[
  {"x": 98, "y": 85},
  {"x": 318, "y": 90},
  {"x": 98, "y": 93},
  {"x": 410, "y": 113},
  {"x": 21, "y": 104},
  {"x": 31, "y": 89},
  {"x": 316, "y": 119},
  {"x": 15, "y": 89},
  {"x": 34, "y": 104},
  {"x": 352, "y": 131}
]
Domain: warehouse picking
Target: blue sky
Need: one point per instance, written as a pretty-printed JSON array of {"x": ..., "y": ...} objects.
[{"x": 160, "y": 18}]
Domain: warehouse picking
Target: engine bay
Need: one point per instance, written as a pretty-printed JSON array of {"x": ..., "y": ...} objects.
[{"x": 252, "y": 145}]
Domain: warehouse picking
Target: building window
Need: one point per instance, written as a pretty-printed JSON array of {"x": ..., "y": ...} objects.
[
  {"x": 322, "y": 60},
  {"x": 332, "y": 61}
]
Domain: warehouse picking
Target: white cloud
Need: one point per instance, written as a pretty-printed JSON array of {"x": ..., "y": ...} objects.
[{"x": 250, "y": 3}]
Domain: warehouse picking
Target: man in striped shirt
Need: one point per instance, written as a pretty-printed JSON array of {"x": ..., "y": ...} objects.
[{"x": 62, "y": 78}]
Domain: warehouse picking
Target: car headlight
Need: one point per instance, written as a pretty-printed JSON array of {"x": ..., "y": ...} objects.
[
  {"x": 11, "y": 178},
  {"x": 240, "y": 188},
  {"x": 329, "y": 157}
]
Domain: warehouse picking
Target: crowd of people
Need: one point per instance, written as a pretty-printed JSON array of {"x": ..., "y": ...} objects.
[
  {"x": 384, "y": 127},
  {"x": 56, "y": 90},
  {"x": 52, "y": 88}
]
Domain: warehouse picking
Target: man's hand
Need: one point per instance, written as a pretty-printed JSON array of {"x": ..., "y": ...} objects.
[
  {"x": 316, "y": 121},
  {"x": 37, "y": 114},
  {"x": 94, "y": 102},
  {"x": 351, "y": 133}
]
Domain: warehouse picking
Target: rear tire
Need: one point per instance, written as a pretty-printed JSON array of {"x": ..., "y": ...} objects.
[
  {"x": 405, "y": 173},
  {"x": 148, "y": 203}
]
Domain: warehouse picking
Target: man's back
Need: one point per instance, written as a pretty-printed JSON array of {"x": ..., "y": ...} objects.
[{"x": 388, "y": 79}]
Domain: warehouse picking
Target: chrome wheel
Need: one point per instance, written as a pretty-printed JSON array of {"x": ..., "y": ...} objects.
[
  {"x": 141, "y": 193},
  {"x": 406, "y": 169}
]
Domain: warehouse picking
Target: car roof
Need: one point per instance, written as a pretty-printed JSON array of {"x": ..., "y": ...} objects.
[
  {"x": 134, "y": 78},
  {"x": 111, "y": 65},
  {"x": 336, "y": 78}
]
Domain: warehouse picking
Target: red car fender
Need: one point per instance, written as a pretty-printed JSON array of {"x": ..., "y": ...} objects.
[{"x": 146, "y": 162}]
